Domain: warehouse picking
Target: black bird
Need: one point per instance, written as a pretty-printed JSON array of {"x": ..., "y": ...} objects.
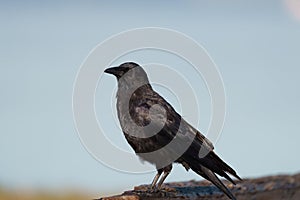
[{"x": 159, "y": 135}]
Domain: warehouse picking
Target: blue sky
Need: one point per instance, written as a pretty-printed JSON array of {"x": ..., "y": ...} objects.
[{"x": 255, "y": 45}]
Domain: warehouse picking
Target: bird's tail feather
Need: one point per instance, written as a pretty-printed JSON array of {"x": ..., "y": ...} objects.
[
  {"x": 209, "y": 175},
  {"x": 217, "y": 165},
  {"x": 218, "y": 161},
  {"x": 208, "y": 166}
]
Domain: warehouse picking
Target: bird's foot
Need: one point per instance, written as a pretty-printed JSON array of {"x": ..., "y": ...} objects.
[{"x": 153, "y": 189}]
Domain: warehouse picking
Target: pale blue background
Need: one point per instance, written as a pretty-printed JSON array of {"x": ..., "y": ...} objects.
[{"x": 255, "y": 44}]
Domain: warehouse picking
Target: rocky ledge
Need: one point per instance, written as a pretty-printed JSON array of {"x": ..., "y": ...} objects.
[{"x": 270, "y": 187}]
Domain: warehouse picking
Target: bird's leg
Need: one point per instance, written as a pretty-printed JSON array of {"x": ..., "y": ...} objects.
[
  {"x": 159, "y": 172},
  {"x": 167, "y": 171},
  {"x": 163, "y": 178}
]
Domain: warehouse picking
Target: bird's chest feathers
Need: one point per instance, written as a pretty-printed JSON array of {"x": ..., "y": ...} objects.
[{"x": 132, "y": 113}]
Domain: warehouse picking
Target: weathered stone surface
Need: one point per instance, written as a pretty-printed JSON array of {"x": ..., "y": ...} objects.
[{"x": 271, "y": 187}]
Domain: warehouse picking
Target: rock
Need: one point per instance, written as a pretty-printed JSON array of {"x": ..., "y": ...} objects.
[
  {"x": 122, "y": 197},
  {"x": 279, "y": 187}
]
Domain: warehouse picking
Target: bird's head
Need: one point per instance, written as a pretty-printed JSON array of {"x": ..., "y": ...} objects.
[{"x": 129, "y": 72}]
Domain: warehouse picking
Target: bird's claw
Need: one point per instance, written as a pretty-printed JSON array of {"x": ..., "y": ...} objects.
[{"x": 153, "y": 189}]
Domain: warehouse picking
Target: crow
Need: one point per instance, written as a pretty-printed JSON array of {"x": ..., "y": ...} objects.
[{"x": 159, "y": 135}]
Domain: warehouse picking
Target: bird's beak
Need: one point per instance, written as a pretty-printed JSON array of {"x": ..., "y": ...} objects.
[{"x": 113, "y": 70}]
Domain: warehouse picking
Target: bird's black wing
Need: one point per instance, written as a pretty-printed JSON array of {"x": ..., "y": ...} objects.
[{"x": 170, "y": 124}]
